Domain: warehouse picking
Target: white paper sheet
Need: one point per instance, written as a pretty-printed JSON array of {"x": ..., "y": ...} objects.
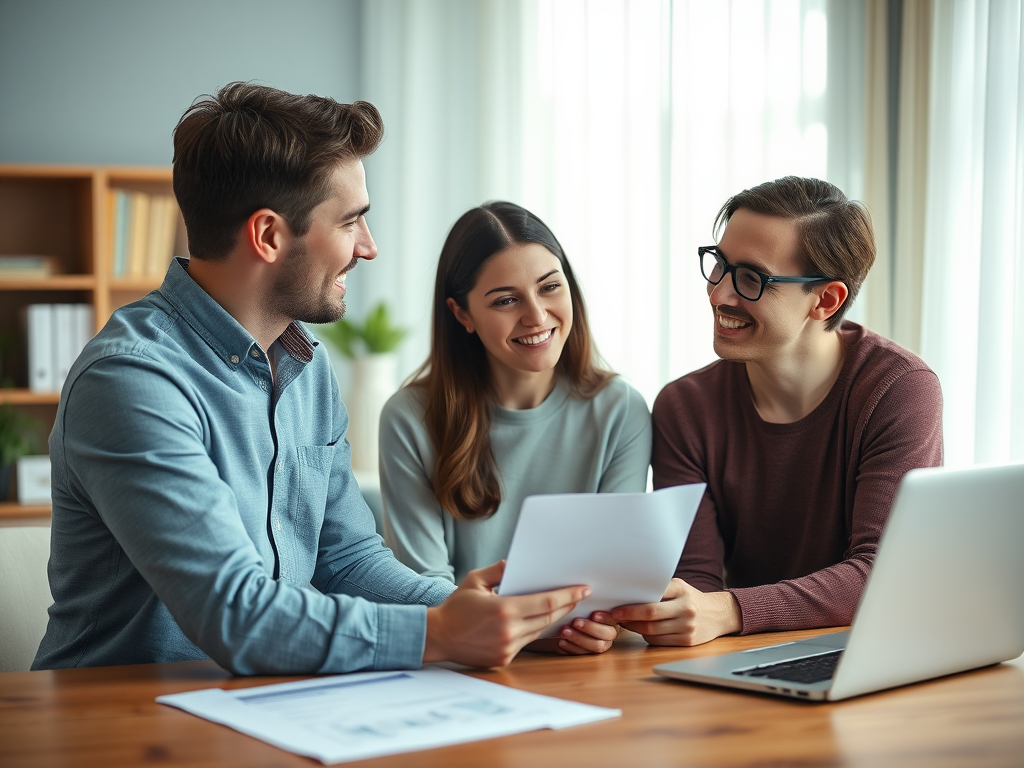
[
  {"x": 352, "y": 717},
  {"x": 624, "y": 546}
]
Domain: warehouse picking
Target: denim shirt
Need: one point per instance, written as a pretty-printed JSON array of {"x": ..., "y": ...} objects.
[{"x": 203, "y": 509}]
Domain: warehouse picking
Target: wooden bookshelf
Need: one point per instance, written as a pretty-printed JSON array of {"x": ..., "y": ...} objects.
[
  {"x": 64, "y": 212},
  {"x": 13, "y": 512},
  {"x": 55, "y": 283},
  {"x": 28, "y": 397}
]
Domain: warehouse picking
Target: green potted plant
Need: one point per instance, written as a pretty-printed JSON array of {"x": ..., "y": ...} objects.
[
  {"x": 375, "y": 336},
  {"x": 370, "y": 347},
  {"x": 18, "y": 437}
]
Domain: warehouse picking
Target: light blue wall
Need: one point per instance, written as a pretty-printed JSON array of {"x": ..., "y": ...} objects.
[{"x": 105, "y": 81}]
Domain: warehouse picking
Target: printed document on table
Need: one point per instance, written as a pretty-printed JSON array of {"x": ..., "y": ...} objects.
[
  {"x": 624, "y": 546},
  {"x": 357, "y": 716}
]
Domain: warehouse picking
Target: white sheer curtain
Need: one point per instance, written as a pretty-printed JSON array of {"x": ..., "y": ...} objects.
[
  {"x": 624, "y": 124},
  {"x": 445, "y": 75},
  {"x": 599, "y": 123},
  {"x": 748, "y": 104},
  {"x": 973, "y": 314},
  {"x": 639, "y": 119}
]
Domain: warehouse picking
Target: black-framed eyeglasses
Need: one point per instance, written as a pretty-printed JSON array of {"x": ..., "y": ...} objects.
[{"x": 749, "y": 282}]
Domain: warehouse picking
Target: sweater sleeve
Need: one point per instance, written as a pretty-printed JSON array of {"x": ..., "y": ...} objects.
[
  {"x": 902, "y": 431},
  {"x": 678, "y": 458},
  {"x": 414, "y": 523},
  {"x": 626, "y": 471}
]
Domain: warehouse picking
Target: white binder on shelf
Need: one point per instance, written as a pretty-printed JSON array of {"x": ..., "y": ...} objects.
[
  {"x": 65, "y": 341},
  {"x": 83, "y": 325},
  {"x": 41, "y": 374}
]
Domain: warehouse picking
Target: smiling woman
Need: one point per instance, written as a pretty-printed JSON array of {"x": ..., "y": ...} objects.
[
  {"x": 521, "y": 309},
  {"x": 511, "y": 402}
]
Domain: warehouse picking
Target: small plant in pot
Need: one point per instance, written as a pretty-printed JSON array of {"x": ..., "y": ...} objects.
[
  {"x": 375, "y": 336},
  {"x": 18, "y": 436}
]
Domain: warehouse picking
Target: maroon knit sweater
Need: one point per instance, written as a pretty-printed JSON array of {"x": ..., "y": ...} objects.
[{"x": 793, "y": 512}]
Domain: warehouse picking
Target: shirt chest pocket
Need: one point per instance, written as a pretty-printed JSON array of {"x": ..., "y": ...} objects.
[{"x": 301, "y": 493}]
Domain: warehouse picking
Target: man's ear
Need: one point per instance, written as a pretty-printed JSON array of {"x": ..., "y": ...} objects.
[
  {"x": 267, "y": 234},
  {"x": 831, "y": 298},
  {"x": 460, "y": 314}
]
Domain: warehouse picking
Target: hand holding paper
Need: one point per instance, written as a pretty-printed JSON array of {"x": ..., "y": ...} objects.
[
  {"x": 475, "y": 626},
  {"x": 625, "y": 546},
  {"x": 685, "y": 616}
]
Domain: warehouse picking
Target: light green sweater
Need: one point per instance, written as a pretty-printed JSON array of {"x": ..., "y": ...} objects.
[{"x": 564, "y": 445}]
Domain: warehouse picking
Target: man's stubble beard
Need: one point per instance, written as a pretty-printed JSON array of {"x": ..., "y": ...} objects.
[{"x": 297, "y": 297}]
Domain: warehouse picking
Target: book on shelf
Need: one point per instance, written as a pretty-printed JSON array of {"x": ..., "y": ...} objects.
[
  {"x": 144, "y": 230},
  {"x": 138, "y": 232},
  {"x": 57, "y": 334},
  {"x": 26, "y": 267},
  {"x": 163, "y": 226},
  {"x": 122, "y": 212},
  {"x": 110, "y": 218}
]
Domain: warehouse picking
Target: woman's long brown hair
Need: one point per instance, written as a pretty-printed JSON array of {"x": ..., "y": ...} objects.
[{"x": 457, "y": 376}]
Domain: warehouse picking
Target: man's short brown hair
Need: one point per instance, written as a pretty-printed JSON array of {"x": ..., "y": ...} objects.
[
  {"x": 252, "y": 146},
  {"x": 836, "y": 239}
]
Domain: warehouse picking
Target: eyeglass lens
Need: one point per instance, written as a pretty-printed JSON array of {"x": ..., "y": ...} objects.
[{"x": 747, "y": 282}]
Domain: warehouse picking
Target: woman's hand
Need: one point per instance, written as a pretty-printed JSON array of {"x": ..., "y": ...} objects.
[{"x": 581, "y": 637}]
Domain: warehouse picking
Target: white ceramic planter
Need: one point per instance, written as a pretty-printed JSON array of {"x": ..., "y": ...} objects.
[{"x": 373, "y": 382}]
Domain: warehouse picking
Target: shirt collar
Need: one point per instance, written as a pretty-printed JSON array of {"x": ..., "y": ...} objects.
[{"x": 225, "y": 335}]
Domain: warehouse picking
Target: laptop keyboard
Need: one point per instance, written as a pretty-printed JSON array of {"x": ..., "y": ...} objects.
[{"x": 812, "y": 669}]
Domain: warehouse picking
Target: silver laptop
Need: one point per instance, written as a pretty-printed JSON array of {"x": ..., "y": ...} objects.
[{"x": 946, "y": 594}]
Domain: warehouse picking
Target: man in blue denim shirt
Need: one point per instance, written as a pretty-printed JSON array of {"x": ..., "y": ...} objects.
[{"x": 203, "y": 498}]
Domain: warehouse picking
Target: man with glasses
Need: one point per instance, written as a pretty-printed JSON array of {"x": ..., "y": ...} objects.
[{"x": 802, "y": 431}]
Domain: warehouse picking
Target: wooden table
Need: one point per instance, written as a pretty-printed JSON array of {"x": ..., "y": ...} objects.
[{"x": 107, "y": 717}]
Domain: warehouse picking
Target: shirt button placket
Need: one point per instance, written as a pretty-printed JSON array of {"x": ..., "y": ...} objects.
[{"x": 275, "y": 518}]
